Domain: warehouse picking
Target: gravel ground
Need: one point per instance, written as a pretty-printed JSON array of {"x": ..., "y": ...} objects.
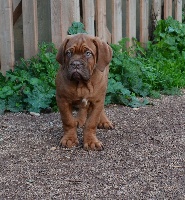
[{"x": 144, "y": 156}]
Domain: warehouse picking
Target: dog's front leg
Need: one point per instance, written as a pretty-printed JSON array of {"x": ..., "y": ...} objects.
[
  {"x": 69, "y": 138},
  {"x": 91, "y": 142}
]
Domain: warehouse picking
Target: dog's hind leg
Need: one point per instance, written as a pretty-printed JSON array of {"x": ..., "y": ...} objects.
[
  {"x": 82, "y": 113},
  {"x": 104, "y": 121},
  {"x": 81, "y": 117}
]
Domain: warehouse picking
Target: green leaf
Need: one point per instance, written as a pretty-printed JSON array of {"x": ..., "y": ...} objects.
[
  {"x": 15, "y": 103},
  {"x": 77, "y": 27},
  {"x": 35, "y": 81},
  {"x": 39, "y": 98},
  {"x": 5, "y": 92},
  {"x": 183, "y": 54}
]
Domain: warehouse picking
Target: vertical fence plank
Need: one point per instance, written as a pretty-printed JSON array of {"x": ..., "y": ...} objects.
[
  {"x": 144, "y": 8},
  {"x": 75, "y": 5},
  {"x": 130, "y": 19},
  {"x": 30, "y": 28},
  {"x": 178, "y": 10},
  {"x": 63, "y": 13},
  {"x": 116, "y": 20},
  {"x": 70, "y": 13},
  {"x": 56, "y": 24},
  {"x": 156, "y": 6},
  {"x": 88, "y": 16},
  {"x": 100, "y": 19},
  {"x": 6, "y": 36},
  {"x": 66, "y": 17},
  {"x": 15, "y": 4},
  {"x": 101, "y": 23},
  {"x": 167, "y": 8},
  {"x": 155, "y": 16}
]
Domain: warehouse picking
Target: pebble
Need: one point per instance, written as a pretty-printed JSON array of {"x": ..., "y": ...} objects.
[
  {"x": 53, "y": 148},
  {"x": 35, "y": 114}
]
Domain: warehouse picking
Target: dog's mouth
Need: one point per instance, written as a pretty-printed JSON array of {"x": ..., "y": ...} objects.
[
  {"x": 76, "y": 76},
  {"x": 79, "y": 76},
  {"x": 78, "y": 71}
]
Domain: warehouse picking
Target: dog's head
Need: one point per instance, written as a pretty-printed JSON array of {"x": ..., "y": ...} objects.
[{"x": 80, "y": 54}]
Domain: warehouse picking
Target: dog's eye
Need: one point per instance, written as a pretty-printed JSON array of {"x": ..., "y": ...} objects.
[
  {"x": 68, "y": 53},
  {"x": 88, "y": 53}
]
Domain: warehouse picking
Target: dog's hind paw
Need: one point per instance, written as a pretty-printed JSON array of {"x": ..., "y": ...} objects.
[{"x": 105, "y": 125}]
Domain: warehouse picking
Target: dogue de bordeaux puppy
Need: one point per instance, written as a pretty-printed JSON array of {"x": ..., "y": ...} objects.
[{"x": 82, "y": 81}]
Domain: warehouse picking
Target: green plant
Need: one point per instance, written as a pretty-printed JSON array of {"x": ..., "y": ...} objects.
[
  {"x": 125, "y": 78},
  {"x": 31, "y": 86},
  {"x": 183, "y": 14},
  {"x": 159, "y": 69},
  {"x": 77, "y": 27},
  {"x": 169, "y": 38},
  {"x": 167, "y": 56}
]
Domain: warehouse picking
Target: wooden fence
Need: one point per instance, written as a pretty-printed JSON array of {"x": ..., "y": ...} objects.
[{"x": 91, "y": 12}]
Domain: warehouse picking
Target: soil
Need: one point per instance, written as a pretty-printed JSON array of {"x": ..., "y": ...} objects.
[{"x": 143, "y": 156}]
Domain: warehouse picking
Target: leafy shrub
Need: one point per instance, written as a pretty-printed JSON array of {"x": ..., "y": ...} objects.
[
  {"x": 77, "y": 27},
  {"x": 148, "y": 72},
  {"x": 167, "y": 56},
  {"x": 31, "y": 86},
  {"x": 169, "y": 38},
  {"x": 133, "y": 72},
  {"x": 125, "y": 78}
]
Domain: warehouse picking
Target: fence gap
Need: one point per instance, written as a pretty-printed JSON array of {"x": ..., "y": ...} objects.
[
  {"x": 6, "y": 36},
  {"x": 17, "y": 11}
]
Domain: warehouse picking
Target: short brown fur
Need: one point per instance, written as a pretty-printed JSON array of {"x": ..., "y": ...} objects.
[{"x": 82, "y": 81}]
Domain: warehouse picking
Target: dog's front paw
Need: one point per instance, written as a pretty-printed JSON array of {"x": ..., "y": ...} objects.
[
  {"x": 92, "y": 143},
  {"x": 69, "y": 141}
]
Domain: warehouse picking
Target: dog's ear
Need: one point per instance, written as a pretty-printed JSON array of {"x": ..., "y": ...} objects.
[
  {"x": 61, "y": 52},
  {"x": 104, "y": 53}
]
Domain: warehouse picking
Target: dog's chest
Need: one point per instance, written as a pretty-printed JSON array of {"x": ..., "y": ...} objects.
[{"x": 84, "y": 91}]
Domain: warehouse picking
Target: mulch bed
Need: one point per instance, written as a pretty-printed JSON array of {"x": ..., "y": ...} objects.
[{"x": 143, "y": 158}]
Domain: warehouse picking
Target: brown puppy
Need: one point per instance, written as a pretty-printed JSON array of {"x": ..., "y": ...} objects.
[{"x": 82, "y": 80}]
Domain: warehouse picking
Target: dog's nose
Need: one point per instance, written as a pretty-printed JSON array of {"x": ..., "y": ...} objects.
[{"x": 76, "y": 64}]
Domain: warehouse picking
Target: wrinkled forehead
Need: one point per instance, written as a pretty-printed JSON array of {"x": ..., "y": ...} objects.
[{"x": 81, "y": 43}]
